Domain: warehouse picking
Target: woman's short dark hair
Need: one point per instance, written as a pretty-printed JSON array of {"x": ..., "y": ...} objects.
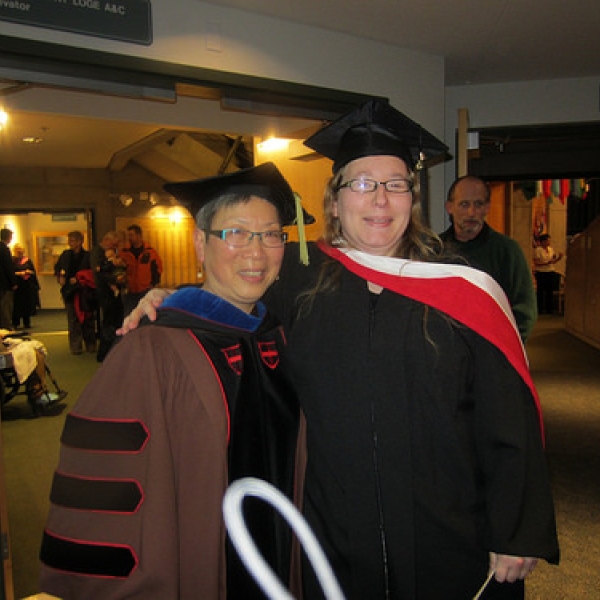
[{"x": 206, "y": 214}]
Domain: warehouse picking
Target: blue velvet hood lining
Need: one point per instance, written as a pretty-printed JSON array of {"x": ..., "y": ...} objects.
[{"x": 203, "y": 304}]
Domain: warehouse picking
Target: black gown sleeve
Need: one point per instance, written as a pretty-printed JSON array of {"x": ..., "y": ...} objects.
[{"x": 520, "y": 518}]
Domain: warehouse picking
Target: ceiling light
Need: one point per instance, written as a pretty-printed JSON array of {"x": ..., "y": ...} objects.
[
  {"x": 30, "y": 139},
  {"x": 176, "y": 216},
  {"x": 274, "y": 145}
]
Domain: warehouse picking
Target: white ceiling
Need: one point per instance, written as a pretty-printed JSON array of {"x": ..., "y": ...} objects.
[
  {"x": 483, "y": 41},
  {"x": 65, "y": 141}
]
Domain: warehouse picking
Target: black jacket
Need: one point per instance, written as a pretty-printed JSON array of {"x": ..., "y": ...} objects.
[{"x": 8, "y": 279}]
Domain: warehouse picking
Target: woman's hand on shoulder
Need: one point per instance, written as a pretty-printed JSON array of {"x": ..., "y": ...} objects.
[{"x": 146, "y": 307}]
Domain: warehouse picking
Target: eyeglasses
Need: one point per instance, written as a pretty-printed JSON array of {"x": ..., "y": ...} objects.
[
  {"x": 365, "y": 186},
  {"x": 239, "y": 238}
]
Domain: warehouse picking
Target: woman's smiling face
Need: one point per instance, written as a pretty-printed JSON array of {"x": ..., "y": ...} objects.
[
  {"x": 240, "y": 275},
  {"x": 374, "y": 222}
]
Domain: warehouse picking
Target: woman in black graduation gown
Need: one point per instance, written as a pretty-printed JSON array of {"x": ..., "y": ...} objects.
[{"x": 425, "y": 456}]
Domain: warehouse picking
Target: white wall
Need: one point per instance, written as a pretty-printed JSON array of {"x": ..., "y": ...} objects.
[
  {"x": 265, "y": 47},
  {"x": 525, "y": 103},
  {"x": 261, "y": 46}
]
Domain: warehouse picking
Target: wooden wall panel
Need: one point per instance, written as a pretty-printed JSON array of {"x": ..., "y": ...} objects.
[
  {"x": 592, "y": 288},
  {"x": 497, "y": 215},
  {"x": 575, "y": 287},
  {"x": 582, "y": 286}
]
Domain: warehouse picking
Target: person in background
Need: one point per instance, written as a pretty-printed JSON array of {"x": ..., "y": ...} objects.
[
  {"x": 30, "y": 367},
  {"x": 144, "y": 268},
  {"x": 178, "y": 410},
  {"x": 29, "y": 356},
  {"x": 468, "y": 204},
  {"x": 110, "y": 277},
  {"x": 74, "y": 275},
  {"x": 8, "y": 279},
  {"x": 27, "y": 294},
  {"x": 118, "y": 278},
  {"x": 546, "y": 277},
  {"x": 426, "y": 476}
]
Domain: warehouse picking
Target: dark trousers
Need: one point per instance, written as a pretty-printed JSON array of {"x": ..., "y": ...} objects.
[
  {"x": 6, "y": 308},
  {"x": 111, "y": 309},
  {"x": 80, "y": 334},
  {"x": 546, "y": 283}
]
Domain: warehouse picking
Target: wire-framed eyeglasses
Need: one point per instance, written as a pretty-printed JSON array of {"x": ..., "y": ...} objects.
[
  {"x": 239, "y": 238},
  {"x": 366, "y": 186}
]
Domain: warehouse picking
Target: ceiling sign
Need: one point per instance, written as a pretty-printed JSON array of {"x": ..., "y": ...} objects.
[{"x": 124, "y": 20}]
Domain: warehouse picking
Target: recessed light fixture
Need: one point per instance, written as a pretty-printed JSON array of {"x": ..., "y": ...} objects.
[
  {"x": 274, "y": 144},
  {"x": 30, "y": 139}
]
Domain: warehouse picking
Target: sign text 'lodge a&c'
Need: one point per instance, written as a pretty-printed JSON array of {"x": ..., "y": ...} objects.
[{"x": 124, "y": 20}]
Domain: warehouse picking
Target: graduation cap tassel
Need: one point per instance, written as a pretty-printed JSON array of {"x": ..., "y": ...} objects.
[
  {"x": 419, "y": 164},
  {"x": 301, "y": 230}
]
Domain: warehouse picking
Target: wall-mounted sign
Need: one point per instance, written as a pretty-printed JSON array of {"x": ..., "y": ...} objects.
[
  {"x": 64, "y": 217},
  {"x": 124, "y": 20}
]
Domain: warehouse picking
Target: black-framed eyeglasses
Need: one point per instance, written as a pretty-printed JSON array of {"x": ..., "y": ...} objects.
[
  {"x": 366, "y": 186},
  {"x": 239, "y": 238}
]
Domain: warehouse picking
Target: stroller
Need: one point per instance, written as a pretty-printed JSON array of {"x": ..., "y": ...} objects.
[{"x": 12, "y": 376}]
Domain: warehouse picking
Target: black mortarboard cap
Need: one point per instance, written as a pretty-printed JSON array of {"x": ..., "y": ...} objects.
[
  {"x": 375, "y": 128},
  {"x": 264, "y": 181}
]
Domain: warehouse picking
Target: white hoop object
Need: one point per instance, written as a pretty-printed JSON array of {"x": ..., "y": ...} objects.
[{"x": 251, "y": 557}]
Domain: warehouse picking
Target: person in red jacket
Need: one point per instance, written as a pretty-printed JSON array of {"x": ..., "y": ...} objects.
[{"x": 144, "y": 268}]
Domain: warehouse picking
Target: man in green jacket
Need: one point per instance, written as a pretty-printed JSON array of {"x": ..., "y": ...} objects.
[{"x": 468, "y": 204}]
